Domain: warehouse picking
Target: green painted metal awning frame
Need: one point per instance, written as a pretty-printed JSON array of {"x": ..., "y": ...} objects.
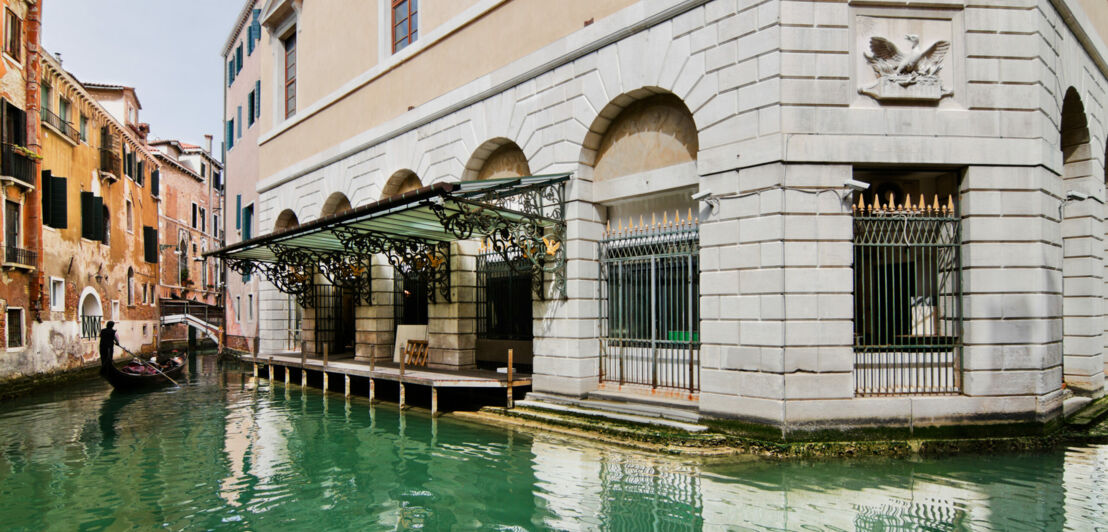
[{"x": 413, "y": 230}]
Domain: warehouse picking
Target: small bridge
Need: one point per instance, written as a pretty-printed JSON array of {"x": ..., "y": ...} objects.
[{"x": 205, "y": 318}]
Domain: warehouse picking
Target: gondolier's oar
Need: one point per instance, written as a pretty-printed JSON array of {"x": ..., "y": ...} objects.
[{"x": 152, "y": 366}]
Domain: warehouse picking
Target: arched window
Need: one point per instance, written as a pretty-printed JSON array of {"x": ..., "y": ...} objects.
[{"x": 91, "y": 314}]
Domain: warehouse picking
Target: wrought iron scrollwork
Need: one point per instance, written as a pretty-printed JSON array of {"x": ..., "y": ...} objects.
[
  {"x": 350, "y": 271},
  {"x": 428, "y": 260}
]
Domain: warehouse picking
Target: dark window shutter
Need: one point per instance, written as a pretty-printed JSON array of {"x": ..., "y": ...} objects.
[
  {"x": 87, "y": 220},
  {"x": 47, "y": 188},
  {"x": 141, "y": 177},
  {"x": 150, "y": 244},
  {"x": 155, "y": 178},
  {"x": 238, "y": 211},
  {"x": 19, "y": 119},
  {"x": 98, "y": 218},
  {"x": 59, "y": 204},
  {"x": 257, "y": 99}
]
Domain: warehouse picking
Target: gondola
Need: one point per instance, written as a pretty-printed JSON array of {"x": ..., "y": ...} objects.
[{"x": 123, "y": 380}]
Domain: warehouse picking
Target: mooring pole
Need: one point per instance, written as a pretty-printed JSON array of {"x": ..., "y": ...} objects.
[
  {"x": 403, "y": 355},
  {"x": 511, "y": 397},
  {"x": 347, "y": 385},
  {"x": 255, "y": 369},
  {"x": 372, "y": 391},
  {"x": 434, "y": 401},
  {"x": 325, "y": 349}
]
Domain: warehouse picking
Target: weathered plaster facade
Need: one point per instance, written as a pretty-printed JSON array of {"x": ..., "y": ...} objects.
[{"x": 776, "y": 92}]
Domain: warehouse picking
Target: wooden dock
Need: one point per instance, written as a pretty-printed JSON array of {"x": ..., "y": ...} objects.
[{"x": 391, "y": 371}]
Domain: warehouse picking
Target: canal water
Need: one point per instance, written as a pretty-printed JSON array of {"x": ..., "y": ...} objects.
[{"x": 225, "y": 451}]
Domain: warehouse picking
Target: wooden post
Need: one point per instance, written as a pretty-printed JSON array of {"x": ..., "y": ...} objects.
[
  {"x": 434, "y": 401},
  {"x": 401, "y": 395},
  {"x": 255, "y": 369},
  {"x": 403, "y": 355},
  {"x": 511, "y": 397},
  {"x": 348, "y": 386},
  {"x": 326, "y": 348},
  {"x": 269, "y": 369},
  {"x": 303, "y": 377},
  {"x": 372, "y": 391},
  {"x": 325, "y": 379}
]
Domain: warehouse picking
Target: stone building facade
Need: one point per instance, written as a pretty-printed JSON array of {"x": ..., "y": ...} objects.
[
  {"x": 190, "y": 221},
  {"x": 100, "y": 219},
  {"x": 241, "y": 114},
  {"x": 896, "y": 211}
]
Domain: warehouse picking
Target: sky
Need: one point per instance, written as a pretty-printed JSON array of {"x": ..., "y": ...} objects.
[{"x": 168, "y": 50}]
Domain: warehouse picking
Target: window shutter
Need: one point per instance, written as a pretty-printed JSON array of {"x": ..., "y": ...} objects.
[
  {"x": 19, "y": 118},
  {"x": 238, "y": 211},
  {"x": 59, "y": 204},
  {"x": 87, "y": 221},
  {"x": 47, "y": 188},
  {"x": 155, "y": 178},
  {"x": 150, "y": 244},
  {"x": 97, "y": 218},
  {"x": 257, "y": 99}
]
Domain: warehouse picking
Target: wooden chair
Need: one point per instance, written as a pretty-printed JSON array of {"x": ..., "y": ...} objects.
[{"x": 415, "y": 354}]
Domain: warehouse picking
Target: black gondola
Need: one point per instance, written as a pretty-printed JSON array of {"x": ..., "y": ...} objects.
[{"x": 124, "y": 380}]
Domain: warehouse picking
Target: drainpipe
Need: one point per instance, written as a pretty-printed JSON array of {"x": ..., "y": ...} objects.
[{"x": 32, "y": 74}]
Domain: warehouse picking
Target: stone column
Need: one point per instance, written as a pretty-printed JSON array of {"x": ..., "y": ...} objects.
[
  {"x": 376, "y": 326},
  {"x": 451, "y": 327}
]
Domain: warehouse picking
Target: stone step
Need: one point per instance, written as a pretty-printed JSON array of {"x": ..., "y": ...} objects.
[
  {"x": 1091, "y": 413},
  {"x": 640, "y": 398},
  {"x": 608, "y": 414},
  {"x": 625, "y": 404}
]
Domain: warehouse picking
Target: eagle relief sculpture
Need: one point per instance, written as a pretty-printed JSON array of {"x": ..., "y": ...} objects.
[{"x": 911, "y": 74}]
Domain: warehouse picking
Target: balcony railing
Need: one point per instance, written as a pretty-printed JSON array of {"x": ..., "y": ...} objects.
[
  {"x": 13, "y": 163},
  {"x": 20, "y": 256},
  {"x": 56, "y": 122},
  {"x": 109, "y": 162},
  {"x": 90, "y": 326}
]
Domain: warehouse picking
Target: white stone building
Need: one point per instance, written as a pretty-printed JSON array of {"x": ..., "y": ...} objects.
[{"x": 976, "y": 299}]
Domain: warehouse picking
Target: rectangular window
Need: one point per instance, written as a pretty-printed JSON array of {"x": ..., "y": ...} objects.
[
  {"x": 84, "y": 129},
  {"x": 238, "y": 211},
  {"x": 231, "y": 72},
  {"x": 250, "y": 307},
  {"x": 238, "y": 129},
  {"x": 238, "y": 59},
  {"x": 193, "y": 224},
  {"x": 13, "y": 225},
  {"x": 15, "y": 327},
  {"x": 55, "y": 208},
  {"x": 907, "y": 291},
  {"x": 290, "y": 75},
  {"x": 57, "y": 294},
  {"x": 255, "y": 30},
  {"x": 248, "y": 222},
  {"x": 150, "y": 244},
  {"x": 216, "y": 229},
  {"x": 13, "y": 35},
  {"x": 115, "y": 309},
  {"x": 257, "y": 99},
  {"x": 410, "y": 300},
  {"x": 45, "y": 93},
  {"x": 140, "y": 173},
  {"x": 231, "y": 133},
  {"x": 649, "y": 307},
  {"x": 250, "y": 109},
  {"x": 203, "y": 220},
  {"x": 203, "y": 169},
  {"x": 92, "y": 216},
  {"x": 238, "y": 304},
  {"x": 405, "y": 23},
  {"x": 63, "y": 109},
  {"x": 130, "y": 217}
]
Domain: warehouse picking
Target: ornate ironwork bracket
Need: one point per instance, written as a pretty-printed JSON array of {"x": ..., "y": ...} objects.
[
  {"x": 538, "y": 239},
  {"x": 428, "y": 260},
  {"x": 349, "y": 271}
]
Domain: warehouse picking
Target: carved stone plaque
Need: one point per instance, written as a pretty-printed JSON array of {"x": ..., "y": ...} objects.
[{"x": 904, "y": 59}]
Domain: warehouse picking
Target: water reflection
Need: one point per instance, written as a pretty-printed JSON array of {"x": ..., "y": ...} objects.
[{"x": 228, "y": 449}]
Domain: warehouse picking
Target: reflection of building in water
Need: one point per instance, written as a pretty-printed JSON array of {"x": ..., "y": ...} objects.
[
  {"x": 256, "y": 448},
  {"x": 1082, "y": 494}
]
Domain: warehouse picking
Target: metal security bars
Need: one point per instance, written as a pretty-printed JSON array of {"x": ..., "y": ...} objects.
[
  {"x": 907, "y": 298},
  {"x": 504, "y": 297},
  {"x": 650, "y": 305},
  {"x": 90, "y": 326}
]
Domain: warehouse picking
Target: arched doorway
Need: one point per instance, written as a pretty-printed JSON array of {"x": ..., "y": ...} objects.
[
  {"x": 649, "y": 277},
  {"x": 505, "y": 288},
  {"x": 333, "y": 307}
]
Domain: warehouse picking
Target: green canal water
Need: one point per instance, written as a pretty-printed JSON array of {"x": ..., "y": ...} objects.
[{"x": 226, "y": 452}]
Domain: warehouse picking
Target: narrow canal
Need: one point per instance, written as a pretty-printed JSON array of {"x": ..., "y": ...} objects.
[{"x": 224, "y": 451}]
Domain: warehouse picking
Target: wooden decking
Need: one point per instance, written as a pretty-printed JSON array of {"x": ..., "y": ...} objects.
[{"x": 390, "y": 371}]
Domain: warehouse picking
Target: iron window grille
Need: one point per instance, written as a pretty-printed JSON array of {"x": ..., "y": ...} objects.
[
  {"x": 650, "y": 305},
  {"x": 410, "y": 299},
  {"x": 907, "y": 298},
  {"x": 504, "y": 296},
  {"x": 90, "y": 326}
]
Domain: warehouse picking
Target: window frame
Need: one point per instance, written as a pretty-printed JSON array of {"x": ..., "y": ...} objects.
[
  {"x": 57, "y": 306},
  {"x": 84, "y": 122},
  {"x": 408, "y": 39},
  {"x": 8, "y": 329},
  {"x": 13, "y": 47},
  {"x": 130, "y": 216},
  {"x": 289, "y": 82}
]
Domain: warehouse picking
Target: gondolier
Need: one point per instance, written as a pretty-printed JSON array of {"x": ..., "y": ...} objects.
[{"x": 108, "y": 341}]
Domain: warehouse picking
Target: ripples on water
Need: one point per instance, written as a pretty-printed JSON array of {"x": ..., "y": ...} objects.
[{"x": 223, "y": 452}]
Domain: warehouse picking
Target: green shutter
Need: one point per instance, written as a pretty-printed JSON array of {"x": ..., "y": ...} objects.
[
  {"x": 97, "y": 218},
  {"x": 150, "y": 244},
  {"x": 59, "y": 204},
  {"x": 238, "y": 211},
  {"x": 46, "y": 186},
  {"x": 257, "y": 99},
  {"x": 87, "y": 220},
  {"x": 155, "y": 178}
]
